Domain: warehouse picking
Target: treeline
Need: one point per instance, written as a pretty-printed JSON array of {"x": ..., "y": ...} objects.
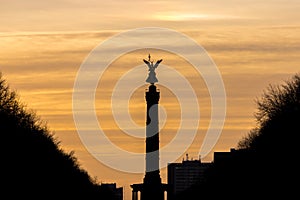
[
  {"x": 265, "y": 162},
  {"x": 33, "y": 165}
]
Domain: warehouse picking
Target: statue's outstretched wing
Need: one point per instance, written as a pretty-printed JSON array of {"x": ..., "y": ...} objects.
[
  {"x": 148, "y": 63},
  {"x": 157, "y": 63}
]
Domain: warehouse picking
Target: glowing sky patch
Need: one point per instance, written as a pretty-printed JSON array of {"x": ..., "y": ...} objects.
[{"x": 190, "y": 16}]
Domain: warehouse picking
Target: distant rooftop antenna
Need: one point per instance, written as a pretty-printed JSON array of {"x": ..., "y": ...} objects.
[{"x": 187, "y": 156}]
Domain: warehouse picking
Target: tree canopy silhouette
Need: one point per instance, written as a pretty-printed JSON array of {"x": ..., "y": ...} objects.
[
  {"x": 265, "y": 164},
  {"x": 278, "y": 117},
  {"x": 33, "y": 166}
]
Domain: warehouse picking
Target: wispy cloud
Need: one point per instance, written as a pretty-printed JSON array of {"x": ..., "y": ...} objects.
[{"x": 173, "y": 16}]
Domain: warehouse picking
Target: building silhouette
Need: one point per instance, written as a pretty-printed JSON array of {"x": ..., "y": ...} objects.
[
  {"x": 234, "y": 157},
  {"x": 152, "y": 188},
  {"x": 111, "y": 188},
  {"x": 181, "y": 176}
]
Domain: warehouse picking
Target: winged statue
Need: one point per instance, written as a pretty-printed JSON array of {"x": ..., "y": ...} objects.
[{"x": 151, "y": 68}]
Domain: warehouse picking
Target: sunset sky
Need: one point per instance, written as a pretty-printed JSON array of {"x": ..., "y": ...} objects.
[{"x": 43, "y": 44}]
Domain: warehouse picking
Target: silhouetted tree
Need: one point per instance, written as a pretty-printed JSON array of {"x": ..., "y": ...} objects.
[
  {"x": 33, "y": 166},
  {"x": 265, "y": 164},
  {"x": 274, "y": 141},
  {"x": 278, "y": 118}
]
